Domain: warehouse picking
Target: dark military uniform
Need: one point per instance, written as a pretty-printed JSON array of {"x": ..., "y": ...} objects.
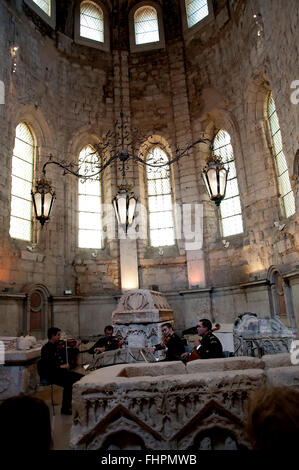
[
  {"x": 174, "y": 348},
  {"x": 210, "y": 347}
]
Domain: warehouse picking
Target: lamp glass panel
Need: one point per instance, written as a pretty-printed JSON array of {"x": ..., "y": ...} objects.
[
  {"x": 47, "y": 204},
  {"x": 131, "y": 209},
  {"x": 207, "y": 184},
  {"x": 212, "y": 177},
  {"x": 122, "y": 208},
  {"x": 38, "y": 204},
  {"x": 222, "y": 182}
]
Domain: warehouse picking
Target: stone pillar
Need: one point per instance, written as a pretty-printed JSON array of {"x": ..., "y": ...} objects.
[
  {"x": 128, "y": 264},
  {"x": 187, "y": 167}
]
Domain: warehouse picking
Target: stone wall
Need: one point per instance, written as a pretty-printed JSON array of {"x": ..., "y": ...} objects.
[{"x": 217, "y": 75}]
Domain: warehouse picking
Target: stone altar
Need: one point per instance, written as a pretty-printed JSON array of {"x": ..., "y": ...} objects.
[
  {"x": 164, "y": 406},
  {"x": 18, "y": 374},
  {"x": 139, "y": 315},
  {"x": 255, "y": 336}
]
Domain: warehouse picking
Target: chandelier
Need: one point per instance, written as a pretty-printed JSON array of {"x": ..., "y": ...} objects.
[{"x": 116, "y": 146}]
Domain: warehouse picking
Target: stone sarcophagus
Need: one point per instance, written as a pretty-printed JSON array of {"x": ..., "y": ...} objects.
[
  {"x": 164, "y": 406},
  {"x": 139, "y": 315},
  {"x": 255, "y": 336}
]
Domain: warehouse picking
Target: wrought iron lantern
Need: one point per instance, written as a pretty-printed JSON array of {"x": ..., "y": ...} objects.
[
  {"x": 215, "y": 177},
  {"x": 43, "y": 198},
  {"x": 124, "y": 204}
]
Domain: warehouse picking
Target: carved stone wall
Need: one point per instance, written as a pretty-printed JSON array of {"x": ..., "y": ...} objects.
[{"x": 171, "y": 406}]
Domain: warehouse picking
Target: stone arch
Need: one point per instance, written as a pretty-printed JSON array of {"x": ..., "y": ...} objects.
[{"x": 36, "y": 316}]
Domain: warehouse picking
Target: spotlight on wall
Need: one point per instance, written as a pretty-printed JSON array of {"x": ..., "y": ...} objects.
[{"x": 14, "y": 56}]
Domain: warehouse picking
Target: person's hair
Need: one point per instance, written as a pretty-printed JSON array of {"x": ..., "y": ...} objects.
[
  {"x": 25, "y": 424},
  {"x": 108, "y": 328},
  {"x": 273, "y": 418},
  {"x": 206, "y": 323},
  {"x": 169, "y": 325},
  {"x": 53, "y": 332}
]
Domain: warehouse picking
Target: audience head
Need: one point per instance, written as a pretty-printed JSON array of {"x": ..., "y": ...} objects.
[
  {"x": 25, "y": 425},
  {"x": 273, "y": 418}
]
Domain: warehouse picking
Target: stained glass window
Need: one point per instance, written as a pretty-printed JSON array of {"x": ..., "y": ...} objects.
[
  {"x": 281, "y": 164},
  {"x": 230, "y": 207},
  {"x": 91, "y": 22},
  {"x": 21, "y": 184},
  {"x": 161, "y": 222},
  {"x": 89, "y": 203},
  {"x": 146, "y": 25},
  {"x": 44, "y": 5},
  {"x": 196, "y": 11}
]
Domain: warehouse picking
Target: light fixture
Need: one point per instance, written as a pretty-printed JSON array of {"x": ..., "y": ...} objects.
[
  {"x": 14, "y": 56},
  {"x": 116, "y": 147},
  {"x": 215, "y": 177},
  {"x": 43, "y": 198},
  {"x": 124, "y": 204}
]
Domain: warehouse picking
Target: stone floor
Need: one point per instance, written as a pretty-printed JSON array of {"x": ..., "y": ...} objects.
[{"x": 61, "y": 424}]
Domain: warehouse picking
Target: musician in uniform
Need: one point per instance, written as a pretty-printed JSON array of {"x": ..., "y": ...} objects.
[
  {"x": 55, "y": 372},
  {"x": 107, "y": 342},
  {"x": 208, "y": 347},
  {"x": 171, "y": 344}
]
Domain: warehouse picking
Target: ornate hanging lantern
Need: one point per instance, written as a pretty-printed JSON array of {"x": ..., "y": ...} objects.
[
  {"x": 124, "y": 204},
  {"x": 215, "y": 177},
  {"x": 43, "y": 198}
]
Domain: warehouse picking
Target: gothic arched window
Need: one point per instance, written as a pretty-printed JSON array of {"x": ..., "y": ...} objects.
[
  {"x": 44, "y": 5},
  {"x": 46, "y": 9},
  {"x": 91, "y": 21},
  {"x": 146, "y": 25},
  {"x": 161, "y": 221},
  {"x": 196, "y": 10},
  {"x": 230, "y": 207},
  {"x": 284, "y": 183},
  {"x": 89, "y": 203},
  {"x": 21, "y": 183}
]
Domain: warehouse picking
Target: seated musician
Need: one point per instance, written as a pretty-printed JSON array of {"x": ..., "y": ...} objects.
[
  {"x": 54, "y": 370},
  {"x": 208, "y": 347},
  {"x": 171, "y": 344},
  {"x": 107, "y": 342}
]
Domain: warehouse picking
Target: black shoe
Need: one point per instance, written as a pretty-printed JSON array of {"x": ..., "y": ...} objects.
[{"x": 66, "y": 411}]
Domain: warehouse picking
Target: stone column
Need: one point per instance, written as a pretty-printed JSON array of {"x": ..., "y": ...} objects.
[
  {"x": 127, "y": 247},
  {"x": 187, "y": 169}
]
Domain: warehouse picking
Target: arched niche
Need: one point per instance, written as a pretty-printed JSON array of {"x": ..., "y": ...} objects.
[
  {"x": 280, "y": 297},
  {"x": 37, "y": 314}
]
